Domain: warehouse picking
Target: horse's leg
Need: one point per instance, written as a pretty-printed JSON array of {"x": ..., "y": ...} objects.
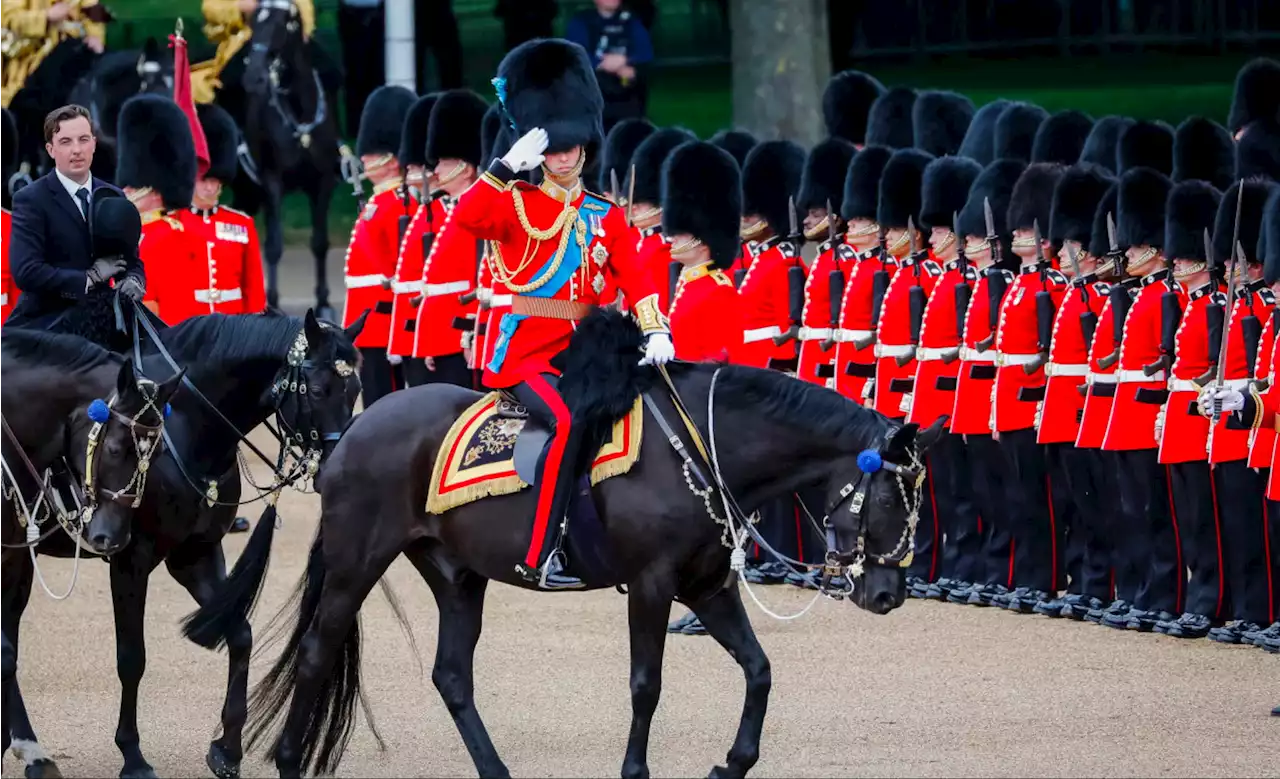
[
  {"x": 648, "y": 608},
  {"x": 726, "y": 621},
  {"x": 130, "y": 572},
  {"x": 18, "y": 731},
  {"x": 273, "y": 194},
  {"x": 320, "y": 198},
  {"x": 202, "y": 570},
  {"x": 461, "y": 606}
]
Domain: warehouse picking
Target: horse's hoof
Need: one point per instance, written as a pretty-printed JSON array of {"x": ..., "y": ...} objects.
[
  {"x": 722, "y": 772},
  {"x": 143, "y": 771},
  {"x": 43, "y": 769},
  {"x": 220, "y": 764}
]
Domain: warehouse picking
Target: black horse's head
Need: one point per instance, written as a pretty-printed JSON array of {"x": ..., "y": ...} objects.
[
  {"x": 874, "y": 516},
  {"x": 118, "y": 440},
  {"x": 277, "y": 37}
]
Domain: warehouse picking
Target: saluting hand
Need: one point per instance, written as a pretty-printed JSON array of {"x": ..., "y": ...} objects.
[{"x": 526, "y": 153}]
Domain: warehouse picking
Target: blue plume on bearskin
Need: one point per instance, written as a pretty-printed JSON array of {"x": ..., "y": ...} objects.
[{"x": 549, "y": 83}]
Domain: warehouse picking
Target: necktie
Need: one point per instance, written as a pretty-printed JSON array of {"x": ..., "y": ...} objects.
[{"x": 82, "y": 194}]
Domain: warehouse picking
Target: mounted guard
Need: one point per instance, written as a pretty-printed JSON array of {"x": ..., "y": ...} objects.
[
  {"x": 226, "y": 27},
  {"x": 34, "y": 28}
]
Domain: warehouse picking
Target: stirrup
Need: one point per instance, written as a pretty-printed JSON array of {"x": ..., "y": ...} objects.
[{"x": 553, "y": 567}]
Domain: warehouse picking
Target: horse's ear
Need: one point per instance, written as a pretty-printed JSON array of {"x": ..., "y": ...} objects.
[
  {"x": 167, "y": 389},
  {"x": 126, "y": 380},
  {"x": 313, "y": 329},
  {"x": 900, "y": 440},
  {"x": 353, "y": 331},
  {"x": 932, "y": 434}
]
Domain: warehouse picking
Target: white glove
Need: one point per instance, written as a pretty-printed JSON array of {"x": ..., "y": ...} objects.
[
  {"x": 394, "y": 359},
  {"x": 658, "y": 350},
  {"x": 1226, "y": 400},
  {"x": 526, "y": 153}
]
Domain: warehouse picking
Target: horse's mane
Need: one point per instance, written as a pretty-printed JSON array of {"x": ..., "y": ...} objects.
[
  {"x": 799, "y": 404},
  {"x": 69, "y": 353},
  {"x": 223, "y": 338}
]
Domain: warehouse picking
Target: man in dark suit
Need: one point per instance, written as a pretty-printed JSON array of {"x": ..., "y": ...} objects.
[{"x": 51, "y": 249}]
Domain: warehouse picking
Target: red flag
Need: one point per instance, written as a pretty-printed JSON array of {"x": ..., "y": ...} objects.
[{"x": 183, "y": 97}]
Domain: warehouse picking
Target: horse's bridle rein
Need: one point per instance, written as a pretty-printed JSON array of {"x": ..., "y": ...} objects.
[
  {"x": 301, "y": 130},
  {"x": 147, "y": 439}
]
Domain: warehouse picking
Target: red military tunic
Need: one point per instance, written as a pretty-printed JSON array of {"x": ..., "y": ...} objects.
[
  {"x": 1101, "y": 381},
  {"x": 856, "y": 368},
  {"x": 545, "y": 282},
  {"x": 1182, "y": 432},
  {"x": 815, "y": 364},
  {"x": 490, "y": 312},
  {"x": 766, "y": 302},
  {"x": 406, "y": 282},
  {"x": 1017, "y": 394},
  {"x": 934, "y": 393},
  {"x": 1068, "y": 368},
  {"x": 653, "y": 253},
  {"x": 1228, "y": 444},
  {"x": 706, "y": 316},
  {"x": 976, "y": 377},
  {"x": 177, "y": 265},
  {"x": 371, "y": 263},
  {"x": 1262, "y": 444},
  {"x": 448, "y": 273},
  {"x": 231, "y": 281},
  {"x": 1139, "y": 397},
  {"x": 9, "y": 292},
  {"x": 893, "y": 337}
]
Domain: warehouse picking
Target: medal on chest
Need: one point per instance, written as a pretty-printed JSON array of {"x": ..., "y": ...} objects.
[{"x": 234, "y": 233}]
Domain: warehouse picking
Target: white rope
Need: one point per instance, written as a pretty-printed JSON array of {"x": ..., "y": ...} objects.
[{"x": 33, "y": 533}]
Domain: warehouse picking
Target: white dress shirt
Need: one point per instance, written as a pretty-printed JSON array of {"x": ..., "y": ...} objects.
[{"x": 72, "y": 188}]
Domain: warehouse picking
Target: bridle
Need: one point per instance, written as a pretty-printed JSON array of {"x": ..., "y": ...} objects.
[
  {"x": 301, "y": 130},
  {"x": 910, "y": 482},
  {"x": 147, "y": 439}
]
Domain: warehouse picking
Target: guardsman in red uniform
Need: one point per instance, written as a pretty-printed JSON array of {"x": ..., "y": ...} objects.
[
  {"x": 1023, "y": 338},
  {"x": 373, "y": 250},
  {"x": 449, "y": 271},
  {"x": 555, "y": 240},
  {"x": 8, "y": 290},
  {"x": 1250, "y": 577},
  {"x": 644, "y": 183},
  {"x": 615, "y": 163},
  {"x": 478, "y": 345},
  {"x": 944, "y": 190}
]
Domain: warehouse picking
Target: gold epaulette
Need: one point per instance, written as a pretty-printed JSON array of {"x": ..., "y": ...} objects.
[
  {"x": 605, "y": 198},
  {"x": 157, "y": 215},
  {"x": 720, "y": 277}
]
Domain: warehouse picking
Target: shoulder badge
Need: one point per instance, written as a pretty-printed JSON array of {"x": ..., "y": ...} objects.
[
  {"x": 1008, "y": 275},
  {"x": 1267, "y": 296},
  {"x": 1102, "y": 287},
  {"x": 970, "y": 273},
  {"x": 370, "y": 209},
  {"x": 846, "y": 252},
  {"x": 1056, "y": 277},
  {"x": 788, "y": 249},
  {"x": 824, "y": 246},
  {"x": 174, "y": 223},
  {"x": 1219, "y": 297},
  {"x": 932, "y": 268},
  {"x": 720, "y": 277}
]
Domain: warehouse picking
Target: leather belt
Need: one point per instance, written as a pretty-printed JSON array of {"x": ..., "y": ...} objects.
[
  {"x": 549, "y": 308},
  {"x": 359, "y": 282},
  {"x": 1132, "y": 377},
  {"x": 889, "y": 350},
  {"x": 1004, "y": 358},
  {"x": 815, "y": 333},
  {"x": 930, "y": 353},
  {"x": 404, "y": 287},
  {"x": 449, "y": 288},
  {"x": 760, "y": 334},
  {"x": 1066, "y": 369},
  {"x": 969, "y": 354},
  {"x": 218, "y": 295}
]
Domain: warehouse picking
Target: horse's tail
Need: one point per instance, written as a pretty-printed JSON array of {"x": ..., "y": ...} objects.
[
  {"x": 233, "y": 604},
  {"x": 332, "y": 720}
]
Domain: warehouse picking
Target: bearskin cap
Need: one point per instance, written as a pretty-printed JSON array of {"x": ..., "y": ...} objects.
[
  {"x": 154, "y": 149},
  {"x": 1100, "y": 147},
  {"x": 1269, "y": 240},
  {"x": 619, "y": 147},
  {"x": 889, "y": 121},
  {"x": 1258, "y": 151},
  {"x": 1257, "y": 94},
  {"x": 702, "y": 196},
  {"x": 1032, "y": 199},
  {"x": 413, "y": 135},
  {"x": 490, "y": 126},
  {"x": 738, "y": 143},
  {"x": 770, "y": 178},
  {"x": 1075, "y": 201},
  {"x": 862, "y": 183},
  {"x": 1192, "y": 208},
  {"x": 995, "y": 183},
  {"x": 940, "y": 120},
  {"x": 822, "y": 181},
  {"x": 945, "y": 189},
  {"x": 453, "y": 132},
  {"x": 647, "y": 163},
  {"x": 1061, "y": 138},
  {"x": 117, "y": 225},
  {"x": 900, "y": 188},
  {"x": 1204, "y": 151},
  {"x": 10, "y": 141},
  {"x": 382, "y": 121},
  {"x": 1099, "y": 241},
  {"x": 1016, "y": 130},
  {"x": 1255, "y": 197},
  {"x": 223, "y": 137},
  {"x": 1140, "y": 208},
  {"x": 979, "y": 142},
  {"x": 846, "y": 104},
  {"x": 549, "y": 83},
  {"x": 1145, "y": 144}
]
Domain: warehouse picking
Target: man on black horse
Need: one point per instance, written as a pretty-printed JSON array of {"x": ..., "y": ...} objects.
[{"x": 558, "y": 246}]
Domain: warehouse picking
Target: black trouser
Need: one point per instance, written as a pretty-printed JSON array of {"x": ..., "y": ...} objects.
[
  {"x": 1068, "y": 541},
  {"x": 1147, "y": 548},
  {"x": 449, "y": 369},
  {"x": 557, "y": 465},
  {"x": 1246, "y": 538},
  {"x": 378, "y": 377},
  {"x": 362, "y": 32},
  {"x": 1195, "y": 507},
  {"x": 1035, "y": 564},
  {"x": 952, "y": 477},
  {"x": 990, "y": 471},
  {"x": 926, "y": 562},
  {"x": 784, "y": 526},
  {"x": 1085, "y": 475}
]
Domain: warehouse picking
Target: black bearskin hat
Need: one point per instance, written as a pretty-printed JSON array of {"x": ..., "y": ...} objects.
[
  {"x": 1100, "y": 147},
  {"x": 154, "y": 149},
  {"x": 647, "y": 163},
  {"x": 900, "y": 188},
  {"x": 980, "y": 139},
  {"x": 738, "y": 143},
  {"x": 862, "y": 183},
  {"x": 1016, "y": 130},
  {"x": 889, "y": 121},
  {"x": 117, "y": 226},
  {"x": 1032, "y": 199},
  {"x": 1075, "y": 201},
  {"x": 846, "y": 103},
  {"x": 770, "y": 178},
  {"x": 1192, "y": 207},
  {"x": 1099, "y": 241},
  {"x": 382, "y": 120},
  {"x": 619, "y": 147},
  {"x": 1061, "y": 138},
  {"x": 701, "y": 195},
  {"x": 453, "y": 133},
  {"x": 940, "y": 120},
  {"x": 1257, "y": 94},
  {"x": 1255, "y": 197},
  {"x": 994, "y": 183},
  {"x": 413, "y": 135},
  {"x": 1203, "y": 150},
  {"x": 822, "y": 181},
  {"x": 490, "y": 126},
  {"x": 223, "y": 136},
  {"x": 10, "y": 142},
  {"x": 1145, "y": 145},
  {"x": 1143, "y": 194},
  {"x": 1269, "y": 241},
  {"x": 549, "y": 83},
  {"x": 945, "y": 189},
  {"x": 1258, "y": 151}
]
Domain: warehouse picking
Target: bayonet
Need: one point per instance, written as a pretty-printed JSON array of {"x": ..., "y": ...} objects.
[
  {"x": 631, "y": 196},
  {"x": 614, "y": 189},
  {"x": 1077, "y": 279},
  {"x": 1112, "y": 244},
  {"x": 1209, "y": 261},
  {"x": 993, "y": 240},
  {"x": 792, "y": 222},
  {"x": 1035, "y": 228},
  {"x": 831, "y": 226}
]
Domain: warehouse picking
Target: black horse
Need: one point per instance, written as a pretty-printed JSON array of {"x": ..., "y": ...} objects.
[
  {"x": 785, "y": 435},
  {"x": 242, "y": 370},
  {"x": 45, "y": 89}
]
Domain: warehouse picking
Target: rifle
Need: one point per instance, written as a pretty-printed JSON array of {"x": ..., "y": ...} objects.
[
  {"x": 795, "y": 283},
  {"x": 835, "y": 283},
  {"x": 1120, "y": 299},
  {"x": 1250, "y": 328},
  {"x": 1088, "y": 319},
  {"x": 1044, "y": 308},
  {"x": 963, "y": 292},
  {"x": 879, "y": 287},
  {"x": 916, "y": 297},
  {"x": 428, "y": 239},
  {"x": 1213, "y": 313},
  {"x": 1233, "y": 280},
  {"x": 996, "y": 283},
  {"x": 1170, "y": 317}
]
